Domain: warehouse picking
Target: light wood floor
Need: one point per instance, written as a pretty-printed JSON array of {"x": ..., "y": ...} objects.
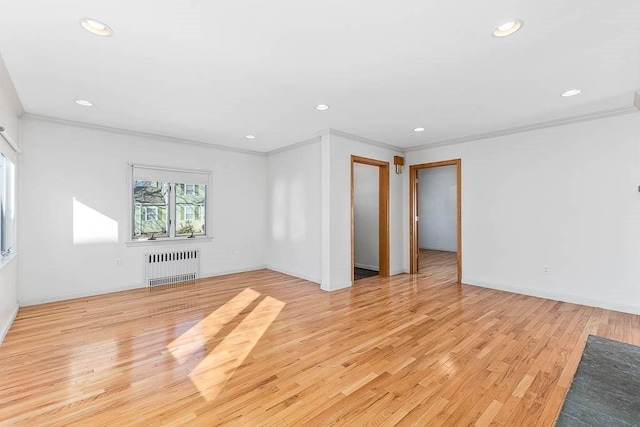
[
  {"x": 263, "y": 348},
  {"x": 440, "y": 266}
]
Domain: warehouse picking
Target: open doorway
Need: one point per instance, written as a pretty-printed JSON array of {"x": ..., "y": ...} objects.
[
  {"x": 435, "y": 222},
  {"x": 369, "y": 218}
]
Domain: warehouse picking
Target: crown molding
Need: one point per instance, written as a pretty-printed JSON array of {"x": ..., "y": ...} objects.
[
  {"x": 294, "y": 145},
  {"x": 140, "y": 134},
  {"x": 364, "y": 140},
  {"x": 470, "y": 138},
  {"x": 527, "y": 128}
]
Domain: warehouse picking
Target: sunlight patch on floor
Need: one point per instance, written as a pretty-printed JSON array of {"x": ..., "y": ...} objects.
[
  {"x": 213, "y": 372},
  {"x": 195, "y": 339}
]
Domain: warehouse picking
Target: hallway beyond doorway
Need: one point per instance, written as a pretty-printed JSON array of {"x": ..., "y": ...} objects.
[{"x": 438, "y": 265}]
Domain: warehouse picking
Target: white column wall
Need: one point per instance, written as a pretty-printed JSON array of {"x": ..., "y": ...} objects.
[{"x": 295, "y": 212}]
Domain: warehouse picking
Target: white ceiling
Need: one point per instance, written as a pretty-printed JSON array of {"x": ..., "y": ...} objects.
[{"x": 215, "y": 71}]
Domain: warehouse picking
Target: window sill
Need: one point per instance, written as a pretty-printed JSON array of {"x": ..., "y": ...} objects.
[
  {"x": 4, "y": 261},
  {"x": 163, "y": 242}
]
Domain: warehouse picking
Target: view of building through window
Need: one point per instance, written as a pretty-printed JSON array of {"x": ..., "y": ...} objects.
[
  {"x": 164, "y": 208},
  {"x": 151, "y": 206},
  {"x": 190, "y": 202}
]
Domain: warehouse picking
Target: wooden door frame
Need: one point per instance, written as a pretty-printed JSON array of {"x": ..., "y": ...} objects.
[
  {"x": 413, "y": 211},
  {"x": 383, "y": 213}
]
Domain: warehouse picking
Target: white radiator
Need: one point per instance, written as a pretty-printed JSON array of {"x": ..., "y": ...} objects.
[{"x": 172, "y": 267}]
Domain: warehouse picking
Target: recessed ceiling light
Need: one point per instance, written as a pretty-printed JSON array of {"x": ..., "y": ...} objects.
[
  {"x": 571, "y": 92},
  {"x": 322, "y": 107},
  {"x": 250, "y": 137},
  {"x": 418, "y": 129},
  {"x": 508, "y": 28},
  {"x": 96, "y": 27},
  {"x": 84, "y": 102}
]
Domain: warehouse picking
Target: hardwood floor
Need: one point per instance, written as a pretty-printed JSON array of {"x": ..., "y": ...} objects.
[
  {"x": 438, "y": 265},
  {"x": 263, "y": 348}
]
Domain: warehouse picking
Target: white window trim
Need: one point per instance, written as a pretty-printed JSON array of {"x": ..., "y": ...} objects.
[
  {"x": 11, "y": 153},
  {"x": 160, "y": 241},
  {"x": 11, "y": 205},
  {"x": 6, "y": 260},
  {"x": 172, "y": 238}
]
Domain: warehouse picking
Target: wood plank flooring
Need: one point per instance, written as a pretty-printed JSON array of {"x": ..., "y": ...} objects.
[{"x": 263, "y": 348}]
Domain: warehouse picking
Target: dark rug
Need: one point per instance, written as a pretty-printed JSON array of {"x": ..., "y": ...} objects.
[
  {"x": 606, "y": 388},
  {"x": 363, "y": 273}
]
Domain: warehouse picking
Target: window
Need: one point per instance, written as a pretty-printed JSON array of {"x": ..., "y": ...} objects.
[
  {"x": 7, "y": 206},
  {"x": 168, "y": 203},
  {"x": 192, "y": 219},
  {"x": 189, "y": 213},
  {"x": 150, "y": 213}
]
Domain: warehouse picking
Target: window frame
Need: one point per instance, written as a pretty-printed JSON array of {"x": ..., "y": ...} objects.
[
  {"x": 172, "y": 209},
  {"x": 8, "y": 226}
]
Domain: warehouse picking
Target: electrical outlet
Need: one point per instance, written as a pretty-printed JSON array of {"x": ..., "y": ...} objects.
[
  {"x": 118, "y": 262},
  {"x": 545, "y": 269}
]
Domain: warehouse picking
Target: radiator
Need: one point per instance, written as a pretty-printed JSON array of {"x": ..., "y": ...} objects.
[{"x": 171, "y": 267}]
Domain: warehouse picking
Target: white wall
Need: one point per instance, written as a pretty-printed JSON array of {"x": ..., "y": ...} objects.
[
  {"x": 563, "y": 197},
  {"x": 10, "y": 111},
  {"x": 366, "y": 214},
  {"x": 437, "y": 208},
  {"x": 339, "y": 206},
  {"x": 294, "y": 223},
  {"x": 61, "y": 162}
]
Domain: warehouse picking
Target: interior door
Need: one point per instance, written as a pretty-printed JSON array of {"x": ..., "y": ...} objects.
[{"x": 417, "y": 224}]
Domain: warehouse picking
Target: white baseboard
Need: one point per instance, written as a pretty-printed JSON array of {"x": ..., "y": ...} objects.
[
  {"x": 367, "y": 267},
  {"x": 440, "y": 249},
  {"x": 294, "y": 274},
  {"x": 555, "y": 296},
  {"x": 95, "y": 292},
  {"x": 331, "y": 288},
  {"x": 336, "y": 286},
  {"x": 74, "y": 295},
  {"x": 4, "y": 330},
  {"x": 236, "y": 271}
]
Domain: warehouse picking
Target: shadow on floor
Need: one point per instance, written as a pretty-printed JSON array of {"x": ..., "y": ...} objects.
[{"x": 363, "y": 273}]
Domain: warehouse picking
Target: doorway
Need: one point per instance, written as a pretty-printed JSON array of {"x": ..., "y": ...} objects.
[
  {"x": 431, "y": 193},
  {"x": 369, "y": 218}
]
